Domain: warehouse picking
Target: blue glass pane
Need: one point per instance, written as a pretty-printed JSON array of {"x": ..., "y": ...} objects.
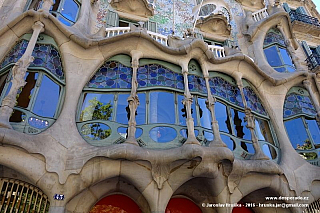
[
  {"x": 95, "y": 131},
  {"x": 286, "y": 57},
  {"x": 70, "y": 10},
  {"x": 240, "y": 125},
  {"x": 280, "y": 69},
  {"x": 197, "y": 84},
  {"x": 64, "y": 21},
  {"x": 208, "y": 135},
  {"x": 269, "y": 151},
  {"x": 297, "y": 134},
  {"x": 272, "y": 56},
  {"x": 112, "y": 74},
  {"x": 228, "y": 141},
  {"x": 205, "y": 115},
  {"x": 163, "y": 134},
  {"x": 97, "y": 107},
  {"x": 274, "y": 36},
  {"x": 139, "y": 132},
  {"x": 162, "y": 108},
  {"x": 182, "y": 112},
  {"x": 123, "y": 131},
  {"x": 123, "y": 111},
  {"x": 314, "y": 130},
  {"x": 47, "y": 99},
  {"x": 222, "y": 117},
  {"x": 141, "y": 110}
]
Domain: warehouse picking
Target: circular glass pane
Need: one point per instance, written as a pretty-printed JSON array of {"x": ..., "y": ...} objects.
[
  {"x": 162, "y": 134},
  {"x": 95, "y": 131}
]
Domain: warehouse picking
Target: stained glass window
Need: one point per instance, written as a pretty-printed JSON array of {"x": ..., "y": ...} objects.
[
  {"x": 253, "y": 101},
  {"x": 45, "y": 55},
  {"x": 157, "y": 75},
  {"x": 112, "y": 74},
  {"x": 207, "y": 9},
  {"x": 222, "y": 88},
  {"x": 298, "y": 104},
  {"x": 197, "y": 84},
  {"x": 301, "y": 125},
  {"x": 274, "y": 36}
]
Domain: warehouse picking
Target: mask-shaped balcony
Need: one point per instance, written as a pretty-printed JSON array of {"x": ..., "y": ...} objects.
[
  {"x": 215, "y": 21},
  {"x": 143, "y": 8},
  {"x": 304, "y": 23}
]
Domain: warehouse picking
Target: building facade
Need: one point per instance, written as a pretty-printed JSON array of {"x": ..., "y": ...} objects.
[{"x": 159, "y": 106}]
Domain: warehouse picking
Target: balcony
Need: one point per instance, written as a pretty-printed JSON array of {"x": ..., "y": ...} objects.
[
  {"x": 313, "y": 62},
  {"x": 305, "y": 23},
  {"x": 260, "y": 14},
  {"x": 162, "y": 39}
]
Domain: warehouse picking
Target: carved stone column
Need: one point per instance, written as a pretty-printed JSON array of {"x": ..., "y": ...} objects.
[
  {"x": 258, "y": 155},
  {"x": 46, "y": 5},
  {"x": 133, "y": 100},
  {"x": 187, "y": 102},
  {"x": 18, "y": 73},
  {"x": 307, "y": 85},
  {"x": 214, "y": 123}
]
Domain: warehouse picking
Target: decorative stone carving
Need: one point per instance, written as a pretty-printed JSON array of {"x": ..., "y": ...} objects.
[
  {"x": 215, "y": 24},
  {"x": 307, "y": 85},
  {"x": 160, "y": 173},
  {"x": 252, "y": 4},
  {"x": 46, "y": 5},
  {"x": 136, "y": 7}
]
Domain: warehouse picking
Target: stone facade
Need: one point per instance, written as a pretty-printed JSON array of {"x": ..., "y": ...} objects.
[{"x": 59, "y": 159}]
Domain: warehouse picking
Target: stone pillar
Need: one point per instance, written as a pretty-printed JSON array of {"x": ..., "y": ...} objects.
[
  {"x": 214, "y": 123},
  {"x": 18, "y": 73},
  {"x": 249, "y": 118},
  {"x": 46, "y": 5},
  {"x": 307, "y": 85},
  {"x": 187, "y": 101},
  {"x": 133, "y": 100}
]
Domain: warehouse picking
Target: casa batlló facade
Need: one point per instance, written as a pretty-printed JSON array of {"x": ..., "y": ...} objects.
[{"x": 159, "y": 106}]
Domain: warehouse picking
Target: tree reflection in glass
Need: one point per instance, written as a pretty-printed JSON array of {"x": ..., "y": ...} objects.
[
  {"x": 97, "y": 107},
  {"x": 95, "y": 131}
]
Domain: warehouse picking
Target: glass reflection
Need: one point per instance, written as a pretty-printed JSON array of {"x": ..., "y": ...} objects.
[
  {"x": 272, "y": 56},
  {"x": 286, "y": 57},
  {"x": 297, "y": 134},
  {"x": 163, "y": 134},
  {"x": 239, "y": 124},
  {"x": 95, "y": 131},
  {"x": 123, "y": 132},
  {"x": 70, "y": 10},
  {"x": 204, "y": 114},
  {"x": 97, "y": 107},
  {"x": 47, "y": 98},
  {"x": 123, "y": 111},
  {"x": 228, "y": 141},
  {"x": 248, "y": 147},
  {"x": 162, "y": 108},
  {"x": 262, "y": 130},
  {"x": 314, "y": 130},
  {"x": 222, "y": 117},
  {"x": 17, "y": 116},
  {"x": 141, "y": 110},
  {"x": 208, "y": 135}
]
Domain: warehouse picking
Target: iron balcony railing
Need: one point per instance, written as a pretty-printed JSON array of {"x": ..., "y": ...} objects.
[
  {"x": 313, "y": 61},
  {"x": 295, "y": 16}
]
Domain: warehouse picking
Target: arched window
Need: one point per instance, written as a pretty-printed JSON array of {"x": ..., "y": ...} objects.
[
  {"x": 276, "y": 53},
  {"x": 116, "y": 203},
  {"x": 103, "y": 108},
  {"x": 299, "y": 116},
  {"x": 229, "y": 110},
  {"x": 182, "y": 205},
  {"x": 66, "y": 11},
  {"x": 39, "y": 101}
]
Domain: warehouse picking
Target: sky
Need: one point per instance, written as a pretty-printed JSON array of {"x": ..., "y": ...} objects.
[{"x": 317, "y": 2}]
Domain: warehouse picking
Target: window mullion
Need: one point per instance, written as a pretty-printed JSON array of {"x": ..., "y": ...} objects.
[
  {"x": 115, "y": 104},
  {"x": 230, "y": 119},
  {"x": 305, "y": 123}
]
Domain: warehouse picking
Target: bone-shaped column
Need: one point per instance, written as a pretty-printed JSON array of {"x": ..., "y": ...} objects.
[{"x": 18, "y": 73}]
